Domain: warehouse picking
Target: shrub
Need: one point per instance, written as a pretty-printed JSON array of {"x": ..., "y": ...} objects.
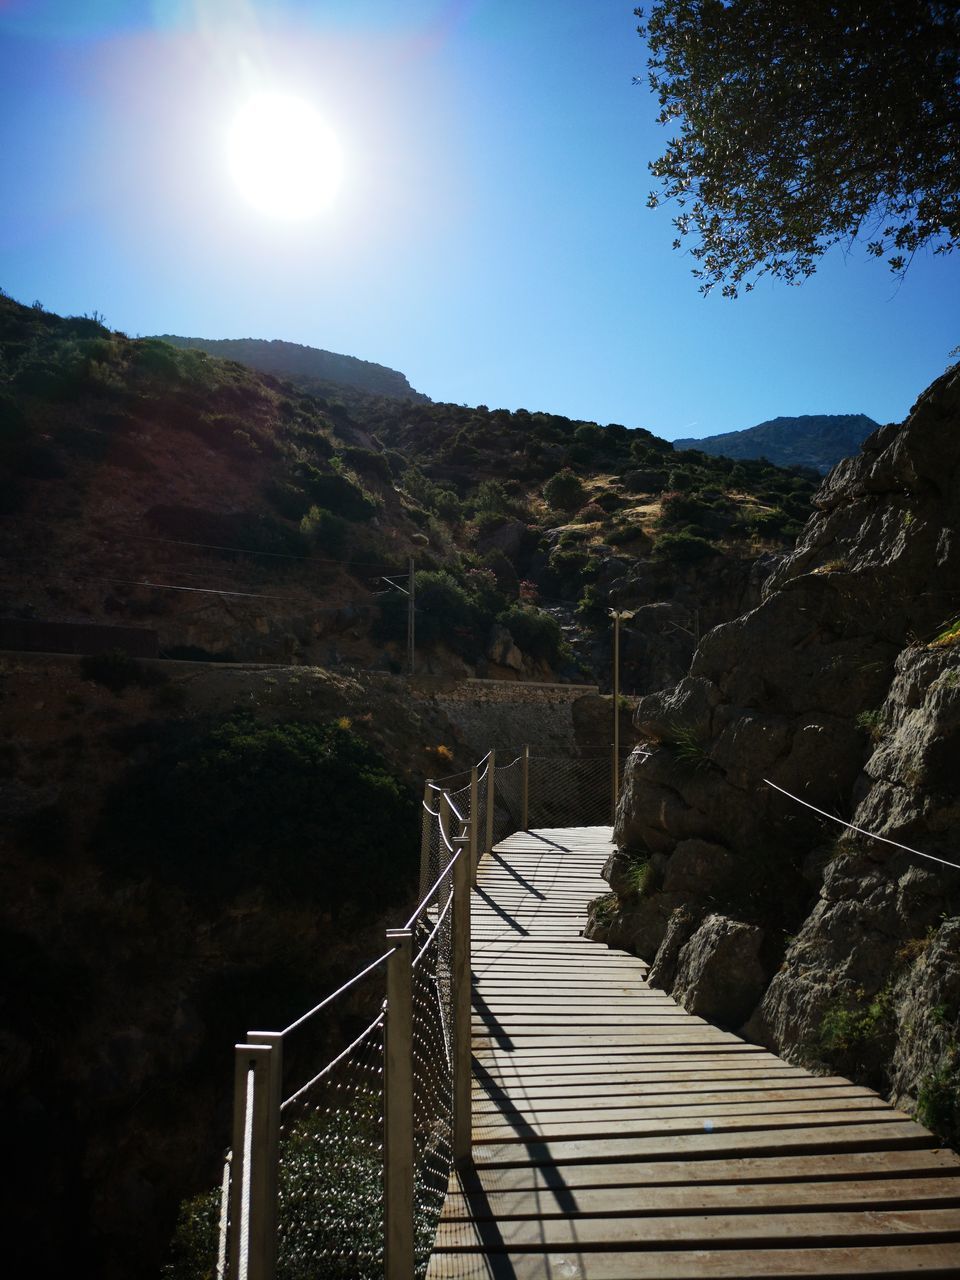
[
  {"x": 871, "y": 722},
  {"x": 564, "y": 491},
  {"x": 537, "y": 633},
  {"x": 302, "y": 811},
  {"x": 846, "y": 1033},
  {"x": 325, "y": 532},
  {"x": 367, "y": 462},
  {"x": 222, "y": 531},
  {"x": 644, "y": 481},
  {"x": 491, "y": 498},
  {"x": 505, "y": 573},
  {"x": 625, "y": 533},
  {"x": 336, "y": 493},
  {"x": 683, "y": 548},
  {"x": 938, "y": 1100}
]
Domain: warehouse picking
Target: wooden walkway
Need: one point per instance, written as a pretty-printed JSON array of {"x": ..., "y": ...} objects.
[{"x": 617, "y": 1137}]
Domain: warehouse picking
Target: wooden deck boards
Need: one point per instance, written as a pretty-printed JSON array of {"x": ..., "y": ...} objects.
[{"x": 616, "y": 1137}]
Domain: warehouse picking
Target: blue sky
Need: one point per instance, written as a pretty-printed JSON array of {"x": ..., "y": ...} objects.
[{"x": 490, "y": 236}]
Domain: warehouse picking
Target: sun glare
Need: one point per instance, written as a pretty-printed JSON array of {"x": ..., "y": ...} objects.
[{"x": 284, "y": 157}]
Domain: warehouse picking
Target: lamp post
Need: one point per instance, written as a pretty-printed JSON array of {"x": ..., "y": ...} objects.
[{"x": 616, "y": 615}]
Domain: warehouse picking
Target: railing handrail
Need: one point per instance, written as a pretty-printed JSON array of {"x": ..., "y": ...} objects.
[
  {"x": 248, "y": 1234},
  {"x": 428, "y": 897}
]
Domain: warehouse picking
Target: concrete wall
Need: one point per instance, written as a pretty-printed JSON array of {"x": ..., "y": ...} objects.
[{"x": 34, "y": 635}]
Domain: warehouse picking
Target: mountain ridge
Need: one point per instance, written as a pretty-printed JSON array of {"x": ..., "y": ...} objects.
[
  {"x": 282, "y": 358},
  {"x": 817, "y": 440}
]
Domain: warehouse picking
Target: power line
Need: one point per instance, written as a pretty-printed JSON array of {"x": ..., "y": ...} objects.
[{"x": 301, "y": 601}]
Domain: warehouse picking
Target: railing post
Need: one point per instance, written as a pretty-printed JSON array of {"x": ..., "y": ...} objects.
[
  {"x": 446, "y": 840},
  {"x": 426, "y": 879},
  {"x": 460, "y": 966},
  {"x": 525, "y": 805},
  {"x": 223, "y": 1230},
  {"x": 253, "y": 1239},
  {"x": 491, "y": 799},
  {"x": 474, "y": 848},
  {"x": 398, "y": 1110},
  {"x": 267, "y": 1184}
]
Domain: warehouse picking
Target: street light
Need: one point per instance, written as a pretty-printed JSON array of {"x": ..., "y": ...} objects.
[{"x": 616, "y": 615}]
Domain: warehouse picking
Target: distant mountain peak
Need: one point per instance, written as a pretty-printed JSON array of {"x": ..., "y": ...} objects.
[
  {"x": 293, "y": 359},
  {"x": 817, "y": 440}
]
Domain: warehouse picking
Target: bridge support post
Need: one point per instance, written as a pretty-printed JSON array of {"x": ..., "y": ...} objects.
[
  {"x": 460, "y": 981},
  {"x": 256, "y": 1128},
  {"x": 474, "y": 849},
  {"x": 525, "y": 775},
  {"x": 491, "y": 799},
  {"x": 398, "y": 1230}
]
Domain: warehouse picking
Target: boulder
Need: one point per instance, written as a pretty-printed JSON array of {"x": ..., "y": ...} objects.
[
  {"x": 719, "y": 974},
  {"x": 502, "y": 649}
]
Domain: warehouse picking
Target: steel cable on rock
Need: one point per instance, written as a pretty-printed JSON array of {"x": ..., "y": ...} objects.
[{"x": 861, "y": 830}]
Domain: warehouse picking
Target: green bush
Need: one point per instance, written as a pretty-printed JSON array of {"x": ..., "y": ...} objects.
[
  {"x": 537, "y": 633},
  {"x": 325, "y": 532},
  {"x": 244, "y": 530},
  {"x": 336, "y": 493},
  {"x": 938, "y": 1100},
  {"x": 367, "y": 462},
  {"x": 306, "y": 812},
  {"x": 683, "y": 548},
  {"x": 491, "y": 498},
  {"x": 564, "y": 491}
]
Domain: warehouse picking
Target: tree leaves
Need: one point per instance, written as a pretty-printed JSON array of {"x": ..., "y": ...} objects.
[{"x": 805, "y": 124}]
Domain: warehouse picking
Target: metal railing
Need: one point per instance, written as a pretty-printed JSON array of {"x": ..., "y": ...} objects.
[{"x": 344, "y": 1178}]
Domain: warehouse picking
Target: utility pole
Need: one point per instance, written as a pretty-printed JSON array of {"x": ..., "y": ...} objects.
[
  {"x": 616, "y": 615},
  {"x": 409, "y": 591},
  {"x": 411, "y": 626}
]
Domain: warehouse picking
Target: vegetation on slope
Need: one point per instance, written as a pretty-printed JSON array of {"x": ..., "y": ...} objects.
[{"x": 243, "y": 516}]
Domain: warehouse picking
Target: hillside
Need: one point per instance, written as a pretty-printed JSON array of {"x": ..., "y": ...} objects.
[
  {"x": 816, "y": 440},
  {"x": 291, "y": 359},
  {"x": 239, "y": 517},
  {"x": 245, "y": 521}
]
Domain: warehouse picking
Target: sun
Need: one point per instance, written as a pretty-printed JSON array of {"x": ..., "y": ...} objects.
[{"x": 284, "y": 157}]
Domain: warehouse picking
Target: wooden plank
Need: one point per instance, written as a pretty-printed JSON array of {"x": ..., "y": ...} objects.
[
  {"x": 600, "y": 1132},
  {"x": 704, "y": 1231},
  {"x": 708, "y": 1167},
  {"x": 618, "y": 1138},
  {"x": 533, "y": 1157},
  {"x": 885, "y": 1193},
  {"x": 802, "y": 1096},
  {"x": 934, "y": 1261}
]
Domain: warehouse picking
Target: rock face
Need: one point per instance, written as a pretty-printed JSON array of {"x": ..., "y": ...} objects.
[
  {"x": 842, "y": 688},
  {"x": 719, "y": 972}
]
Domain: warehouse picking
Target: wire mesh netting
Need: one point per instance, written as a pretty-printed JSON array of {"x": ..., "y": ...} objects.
[
  {"x": 330, "y": 1210},
  {"x": 507, "y": 799},
  {"x": 432, "y": 1079},
  {"x": 331, "y": 1174},
  {"x": 571, "y": 792}
]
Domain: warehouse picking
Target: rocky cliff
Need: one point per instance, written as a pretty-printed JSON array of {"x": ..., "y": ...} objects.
[{"x": 842, "y": 688}]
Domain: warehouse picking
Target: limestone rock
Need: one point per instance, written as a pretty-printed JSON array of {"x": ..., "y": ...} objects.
[
  {"x": 719, "y": 973},
  {"x": 696, "y": 867},
  {"x": 502, "y": 649},
  {"x": 828, "y": 687},
  {"x": 681, "y": 926}
]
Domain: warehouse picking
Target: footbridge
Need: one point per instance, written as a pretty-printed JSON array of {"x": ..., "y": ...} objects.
[{"x": 520, "y": 1104}]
